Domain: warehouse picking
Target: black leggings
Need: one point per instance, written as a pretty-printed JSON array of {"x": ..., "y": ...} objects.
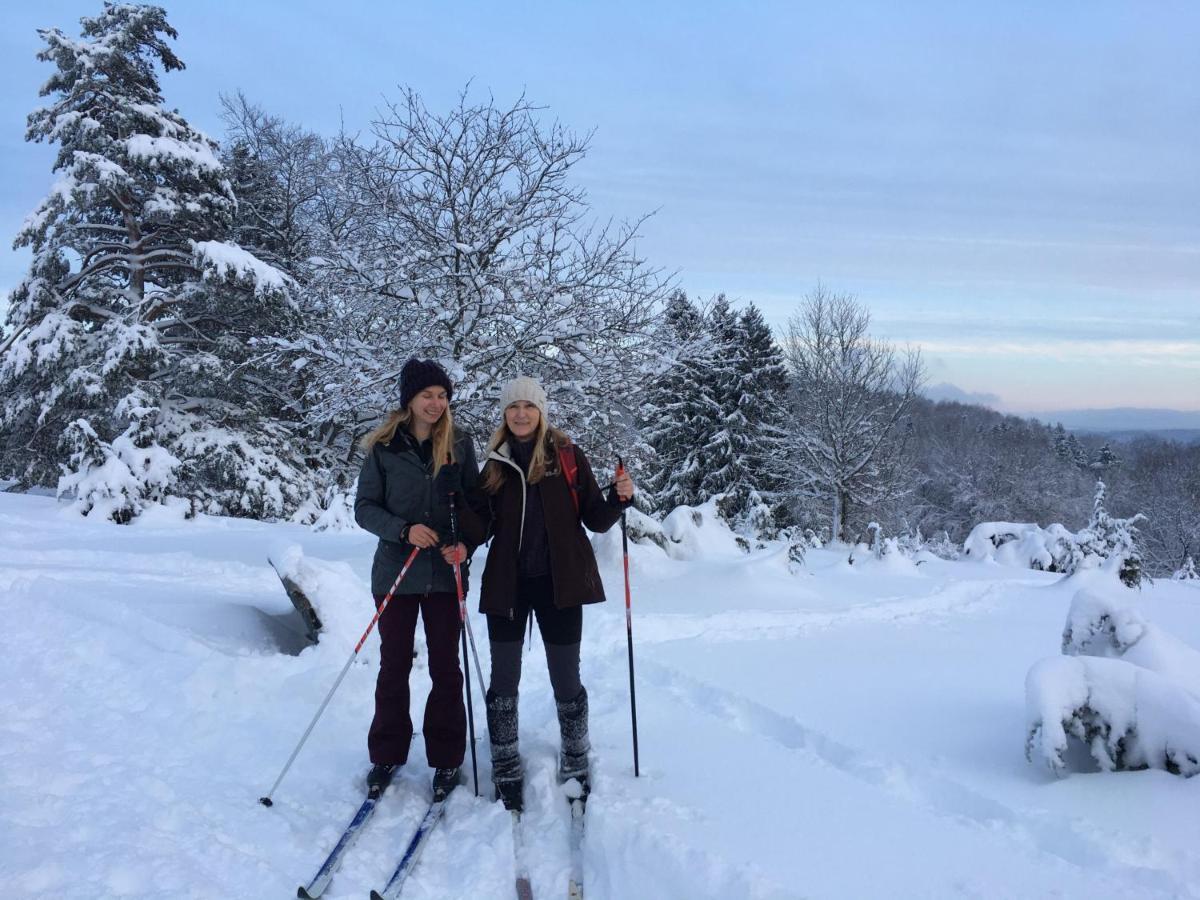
[{"x": 561, "y": 630}]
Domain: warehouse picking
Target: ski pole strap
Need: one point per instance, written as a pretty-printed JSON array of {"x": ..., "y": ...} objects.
[{"x": 570, "y": 469}]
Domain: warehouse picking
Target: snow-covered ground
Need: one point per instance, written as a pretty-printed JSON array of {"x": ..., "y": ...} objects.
[{"x": 848, "y": 732}]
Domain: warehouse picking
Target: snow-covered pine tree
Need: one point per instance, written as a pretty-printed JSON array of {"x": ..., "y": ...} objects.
[
  {"x": 763, "y": 398},
  {"x": 131, "y": 342},
  {"x": 722, "y": 453},
  {"x": 677, "y": 413},
  {"x": 1108, "y": 537}
]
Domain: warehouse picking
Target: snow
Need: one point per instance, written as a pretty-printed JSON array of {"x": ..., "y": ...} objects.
[
  {"x": 225, "y": 260},
  {"x": 844, "y": 732},
  {"x": 196, "y": 154},
  {"x": 1021, "y": 544}
]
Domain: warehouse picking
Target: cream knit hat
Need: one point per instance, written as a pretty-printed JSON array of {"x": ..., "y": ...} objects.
[{"x": 523, "y": 388}]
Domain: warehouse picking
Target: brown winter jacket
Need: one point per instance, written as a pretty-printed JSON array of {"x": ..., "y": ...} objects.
[{"x": 572, "y": 562}]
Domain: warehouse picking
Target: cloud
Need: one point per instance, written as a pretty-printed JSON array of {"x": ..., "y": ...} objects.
[
  {"x": 1162, "y": 353},
  {"x": 947, "y": 391}
]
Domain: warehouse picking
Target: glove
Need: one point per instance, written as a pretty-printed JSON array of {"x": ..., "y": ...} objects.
[{"x": 449, "y": 480}]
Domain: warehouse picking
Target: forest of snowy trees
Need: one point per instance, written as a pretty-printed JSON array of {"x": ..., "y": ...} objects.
[{"x": 214, "y": 324}]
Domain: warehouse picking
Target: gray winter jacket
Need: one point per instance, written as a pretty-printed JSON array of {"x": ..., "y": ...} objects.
[{"x": 395, "y": 489}]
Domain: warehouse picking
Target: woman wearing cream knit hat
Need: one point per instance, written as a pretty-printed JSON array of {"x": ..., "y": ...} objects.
[{"x": 539, "y": 492}]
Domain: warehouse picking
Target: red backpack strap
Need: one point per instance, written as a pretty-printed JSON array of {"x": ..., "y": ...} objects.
[{"x": 570, "y": 470}]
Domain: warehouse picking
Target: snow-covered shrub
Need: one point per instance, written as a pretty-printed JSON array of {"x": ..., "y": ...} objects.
[
  {"x": 1109, "y": 538},
  {"x": 1106, "y": 622},
  {"x": 698, "y": 531},
  {"x": 119, "y": 479},
  {"x": 943, "y": 548},
  {"x": 797, "y": 546},
  {"x": 1186, "y": 572},
  {"x": 1101, "y": 624},
  {"x": 641, "y": 528},
  {"x": 1051, "y": 549},
  {"x": 1126, "y": 716},
  {"x": 330, "y": 510}
]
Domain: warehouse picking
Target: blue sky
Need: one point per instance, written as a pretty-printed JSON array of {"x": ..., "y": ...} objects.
[{"x": 1014, "y": 187}]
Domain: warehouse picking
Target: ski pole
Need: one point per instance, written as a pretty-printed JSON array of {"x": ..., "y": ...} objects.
[
  {"x": 629, "y": 625},
  {"x": 266, "y": 801},
  {"x": 462, "y": 615}
]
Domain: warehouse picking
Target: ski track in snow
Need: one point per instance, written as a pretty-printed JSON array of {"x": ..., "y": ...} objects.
[
  {"x": 940, "y": 794},
  {"x": 758, "y": 625}
]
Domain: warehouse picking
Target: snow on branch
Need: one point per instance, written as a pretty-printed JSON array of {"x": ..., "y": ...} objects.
[
  {"x": 195, "y": 154},
  {"x": 226, "y": 261}
]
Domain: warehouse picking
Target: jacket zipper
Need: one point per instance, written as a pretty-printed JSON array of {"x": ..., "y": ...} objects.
[{"x": 525, "y": 490}]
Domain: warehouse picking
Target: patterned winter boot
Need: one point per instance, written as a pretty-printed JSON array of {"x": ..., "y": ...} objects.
[
  {"x": 506, "y": 760},
  {"x": 573, "y": 725}
]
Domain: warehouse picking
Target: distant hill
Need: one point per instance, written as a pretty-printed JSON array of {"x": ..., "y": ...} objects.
[{"x": 1127, "y": 423}]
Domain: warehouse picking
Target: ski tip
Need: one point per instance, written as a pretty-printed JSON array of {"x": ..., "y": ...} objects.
[
  {"x": 375, "y": 895},
  {"x": 266, "y": 801},
  {"x": 303, "y": 894}
]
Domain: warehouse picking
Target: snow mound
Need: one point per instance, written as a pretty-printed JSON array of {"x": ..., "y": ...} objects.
[
  {"x": 1022, "y": 544},
  {"x": 1127, "y": 717},
  {"x": 341, "y": 599},
  {"x": 1108, "y": 624},
  {"x": 697, "y": 532}
]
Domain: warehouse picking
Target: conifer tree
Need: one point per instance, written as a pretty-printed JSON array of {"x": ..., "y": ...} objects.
[
  {"x": 132, "y": 340},
  {"x": 1108, "y": 537},
  {"x": 676, "y": 411},
  {"x": 721, "y": 455}
]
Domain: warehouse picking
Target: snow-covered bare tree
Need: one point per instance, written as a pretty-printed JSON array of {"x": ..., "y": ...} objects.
[
  {"x": 277, "y": 169},
  {"x": 461, "y": 236},
  {"x": 131, "y": 348},
  {"x": 850, "y": 395}
]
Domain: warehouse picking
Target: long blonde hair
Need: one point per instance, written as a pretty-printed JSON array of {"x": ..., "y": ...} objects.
[
  {"x": 442, "y": 434},
  {"x": 546, "y": 440}
]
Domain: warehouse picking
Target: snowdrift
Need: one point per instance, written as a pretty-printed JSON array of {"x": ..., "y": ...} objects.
[{"x": 1127, "y": 690}]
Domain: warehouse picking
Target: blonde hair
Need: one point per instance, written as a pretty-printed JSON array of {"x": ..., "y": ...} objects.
[
  {"x": 442, "y": 434},
  {"x": 546, "y": 440}
]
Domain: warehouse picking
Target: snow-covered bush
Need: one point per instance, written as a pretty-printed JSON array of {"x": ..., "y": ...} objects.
[
  {"x": 1186, "y": 572},
  {"x": 1055, "y": 549},
  {"x": 1104, "y": 621},
  {"x": 643, "y": 529},
  {"x": 1124, "y": 687},
  {"x": 1127, "y": 717},
  {"x": 698, "y": 531},
  {"x": 1023, "y": 544},
  {"x": 119, "y": 479},
  {"x": 1109, "y": 538},
  {"x": 1101, "y": 624},
  {"x": 330, "y": 510}
]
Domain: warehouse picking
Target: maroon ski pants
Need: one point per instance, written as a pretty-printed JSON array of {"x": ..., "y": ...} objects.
[{"x": 445, "y": 724}]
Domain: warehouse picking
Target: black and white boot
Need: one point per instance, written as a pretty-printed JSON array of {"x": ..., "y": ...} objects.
[
  {"x": 444, "y": 781},
  {"x": 379, "y": 778},
  {"x": 573, "y": 726},
  {"x": 506, "y": 758}
]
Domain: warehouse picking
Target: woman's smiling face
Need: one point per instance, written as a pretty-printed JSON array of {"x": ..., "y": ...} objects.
[
  {"x": 429, "y": 405},
  {"x": 522, "y": 419}
]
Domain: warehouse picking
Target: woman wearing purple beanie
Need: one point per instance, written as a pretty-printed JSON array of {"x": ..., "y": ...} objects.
[{"x": 414, "y": 461}]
